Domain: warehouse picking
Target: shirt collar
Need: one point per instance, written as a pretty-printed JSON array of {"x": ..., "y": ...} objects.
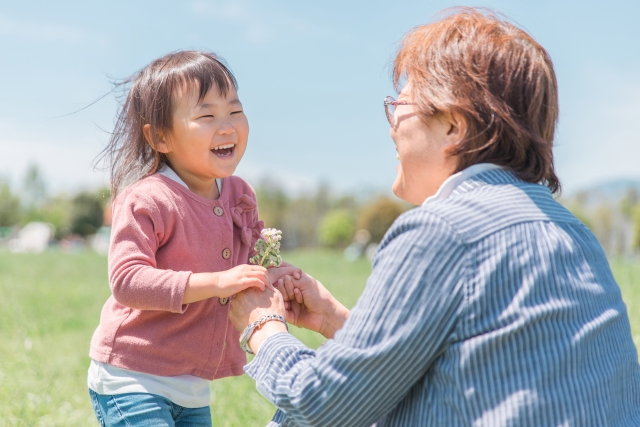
[
  {"x": 169, "y": 173},
  {"x": 456, "y": 179}
]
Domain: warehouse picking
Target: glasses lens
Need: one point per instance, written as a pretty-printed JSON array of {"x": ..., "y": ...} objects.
[{"x": 389, "y": 107}]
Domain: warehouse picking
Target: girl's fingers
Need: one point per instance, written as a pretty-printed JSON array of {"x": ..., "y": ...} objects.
[
  {"x": 283, "y": 292},
  {"x": 298, "y": 295},
  {"x": 288, "y": 286},
  {"x": 270, "y": 286},
  {"x": 264, "y": 280}
]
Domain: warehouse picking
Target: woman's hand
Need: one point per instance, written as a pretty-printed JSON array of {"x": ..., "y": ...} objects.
[
  {"x": 249, "y": 306},
  {"x": 310, "y": 305},
  {"x": 223, "y": 284},
  {"x": 276, "y": 273}
]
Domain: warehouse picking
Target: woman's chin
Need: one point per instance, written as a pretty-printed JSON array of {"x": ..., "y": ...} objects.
[{"x": 398, "y": 188}]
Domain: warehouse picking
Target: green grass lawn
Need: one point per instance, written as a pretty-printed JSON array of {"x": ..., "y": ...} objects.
[{"x": 50, "y": 304}]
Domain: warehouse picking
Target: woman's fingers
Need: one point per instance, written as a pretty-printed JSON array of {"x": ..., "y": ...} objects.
[{"x": 298, "y": 295}]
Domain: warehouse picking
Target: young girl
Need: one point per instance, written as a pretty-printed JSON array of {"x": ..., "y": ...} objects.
[{"x": 182, "y": 234}]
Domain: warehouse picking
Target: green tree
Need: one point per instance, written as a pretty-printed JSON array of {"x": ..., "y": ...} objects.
[
  {"x": 9, "y": 206},
  {"x": 336, "y": 229},
  {"x": 629, "y": 202},
  {"x": 35, "y": 191},
  {"x": 378, "y": 216},
  {"x": 86, "y": 214},
  {"x": 57, "y": 211},
  {"x": 272, "y": 204},
  {"x": 636, "y": 229}
]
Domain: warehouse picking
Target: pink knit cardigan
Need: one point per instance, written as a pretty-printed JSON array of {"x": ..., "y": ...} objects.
[{"x": 161, "y": 233}]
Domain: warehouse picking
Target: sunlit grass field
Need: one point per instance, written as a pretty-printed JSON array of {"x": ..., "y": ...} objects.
[{"x": 50, "y": 304}]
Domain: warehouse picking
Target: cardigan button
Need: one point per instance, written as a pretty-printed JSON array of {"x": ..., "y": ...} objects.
[
  {"x": 226, "y": 253},
  {"x": 223, "y": 301},
  {"x": 218, "y": 211}
]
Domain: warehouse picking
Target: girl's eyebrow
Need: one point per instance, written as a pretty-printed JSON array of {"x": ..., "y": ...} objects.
[{"x": 206, "y": 105}]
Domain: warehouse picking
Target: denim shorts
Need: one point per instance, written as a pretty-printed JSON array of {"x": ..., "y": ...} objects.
[{"x": 146, "y": 410}]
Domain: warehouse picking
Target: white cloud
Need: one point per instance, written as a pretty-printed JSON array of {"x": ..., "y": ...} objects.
[
  {"x": 40, "y": 32},
  {"x": 65, "y": 167},
  {"x": 254, "y": 173},
  {"x": 255, "y": 28}
]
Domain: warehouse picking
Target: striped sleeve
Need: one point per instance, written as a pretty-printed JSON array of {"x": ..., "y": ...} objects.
[{"x": 405, "y": 318}]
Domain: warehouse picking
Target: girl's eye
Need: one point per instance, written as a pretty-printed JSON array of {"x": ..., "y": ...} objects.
[
  {"x": 237, "y": 112},
  {"x": 208, "y": 115}
]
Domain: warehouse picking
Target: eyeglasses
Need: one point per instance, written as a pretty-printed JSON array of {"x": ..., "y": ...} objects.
[{"x": 390, "y": 105}]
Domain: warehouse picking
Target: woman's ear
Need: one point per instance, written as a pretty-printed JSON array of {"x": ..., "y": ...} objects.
[
  {"x": 160, "y": 145},
  {"x": 457, "y": 130}
]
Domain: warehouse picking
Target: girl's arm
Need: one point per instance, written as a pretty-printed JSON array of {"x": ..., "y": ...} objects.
[{"x": 226, "y": 283}]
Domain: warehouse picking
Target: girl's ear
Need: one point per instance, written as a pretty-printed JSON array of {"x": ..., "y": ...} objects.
[{"x": 160, "y": 145}]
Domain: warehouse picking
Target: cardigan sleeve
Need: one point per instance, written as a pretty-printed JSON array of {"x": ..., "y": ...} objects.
[
  {"x": 138, "y": 227},
  {"x": 405, "y": 318}
]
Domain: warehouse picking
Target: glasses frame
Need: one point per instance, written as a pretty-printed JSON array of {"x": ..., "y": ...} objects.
[{"x": 390, "y": 105}]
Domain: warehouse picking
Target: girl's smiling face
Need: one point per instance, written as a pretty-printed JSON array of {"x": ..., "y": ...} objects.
[{"x": 208, "y": 139}]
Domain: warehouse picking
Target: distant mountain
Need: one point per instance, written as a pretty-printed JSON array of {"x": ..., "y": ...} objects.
[{"x": 609, "y": 191}]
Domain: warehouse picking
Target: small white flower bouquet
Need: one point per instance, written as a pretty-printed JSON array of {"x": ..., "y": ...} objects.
[{"x": 268, "y": 248}]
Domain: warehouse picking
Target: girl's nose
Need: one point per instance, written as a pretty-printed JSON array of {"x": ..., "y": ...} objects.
[{"x": 226, "y": 128}]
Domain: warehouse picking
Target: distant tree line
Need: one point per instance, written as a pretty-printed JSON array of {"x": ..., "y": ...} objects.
[
  {"x": 614, "y": 222},
  {"x": 317, "y": 218},
  {"x": 324, "y": 218},
  {"x": 80, "y": 214}
]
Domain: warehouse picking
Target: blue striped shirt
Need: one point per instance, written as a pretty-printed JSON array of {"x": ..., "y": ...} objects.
[{"x": 493, "y": 306}]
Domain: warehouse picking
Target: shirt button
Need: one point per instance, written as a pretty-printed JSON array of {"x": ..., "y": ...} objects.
[
  {"x": 223, "y": 301},
  {"x": 218, "y": 211},
  {"x": 226, "y": 253}
]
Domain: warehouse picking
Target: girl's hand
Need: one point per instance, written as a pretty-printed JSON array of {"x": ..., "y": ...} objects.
[
  {"x": 223, "y": 284},
  {"x": 242, "y": 277}
]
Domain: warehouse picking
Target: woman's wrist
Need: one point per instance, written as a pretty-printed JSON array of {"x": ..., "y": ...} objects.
[
  {"x": 333, "y": 319},
  {"x": 268, "y": 329}
]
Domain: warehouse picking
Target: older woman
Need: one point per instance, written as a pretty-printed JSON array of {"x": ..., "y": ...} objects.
[{"x": 489, "y": 304}]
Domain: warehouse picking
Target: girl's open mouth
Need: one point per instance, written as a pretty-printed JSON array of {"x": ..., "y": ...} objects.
[{"x": 224, "y": 150}]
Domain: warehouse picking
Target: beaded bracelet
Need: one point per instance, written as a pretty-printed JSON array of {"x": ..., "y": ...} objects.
[{"x": 249, "y": 330}]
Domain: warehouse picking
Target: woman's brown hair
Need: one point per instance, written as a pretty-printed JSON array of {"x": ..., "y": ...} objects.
[
  {"x": 498, "y": 78},
  {"x": 150, "y": 100}
]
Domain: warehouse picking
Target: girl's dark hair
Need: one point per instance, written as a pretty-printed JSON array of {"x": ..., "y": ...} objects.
[
  {"x": 150, "y": 100},
  {"x": 498, "y": 78}
]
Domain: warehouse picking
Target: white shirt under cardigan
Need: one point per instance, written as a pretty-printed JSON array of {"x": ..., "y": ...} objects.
[{"x": 185, "y": 390}]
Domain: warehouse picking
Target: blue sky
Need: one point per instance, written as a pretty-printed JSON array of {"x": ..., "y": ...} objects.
[{"x": 312, "y": 78}]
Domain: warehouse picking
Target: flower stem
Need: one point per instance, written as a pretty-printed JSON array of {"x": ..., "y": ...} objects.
[{"x": 265, "y": 256}]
